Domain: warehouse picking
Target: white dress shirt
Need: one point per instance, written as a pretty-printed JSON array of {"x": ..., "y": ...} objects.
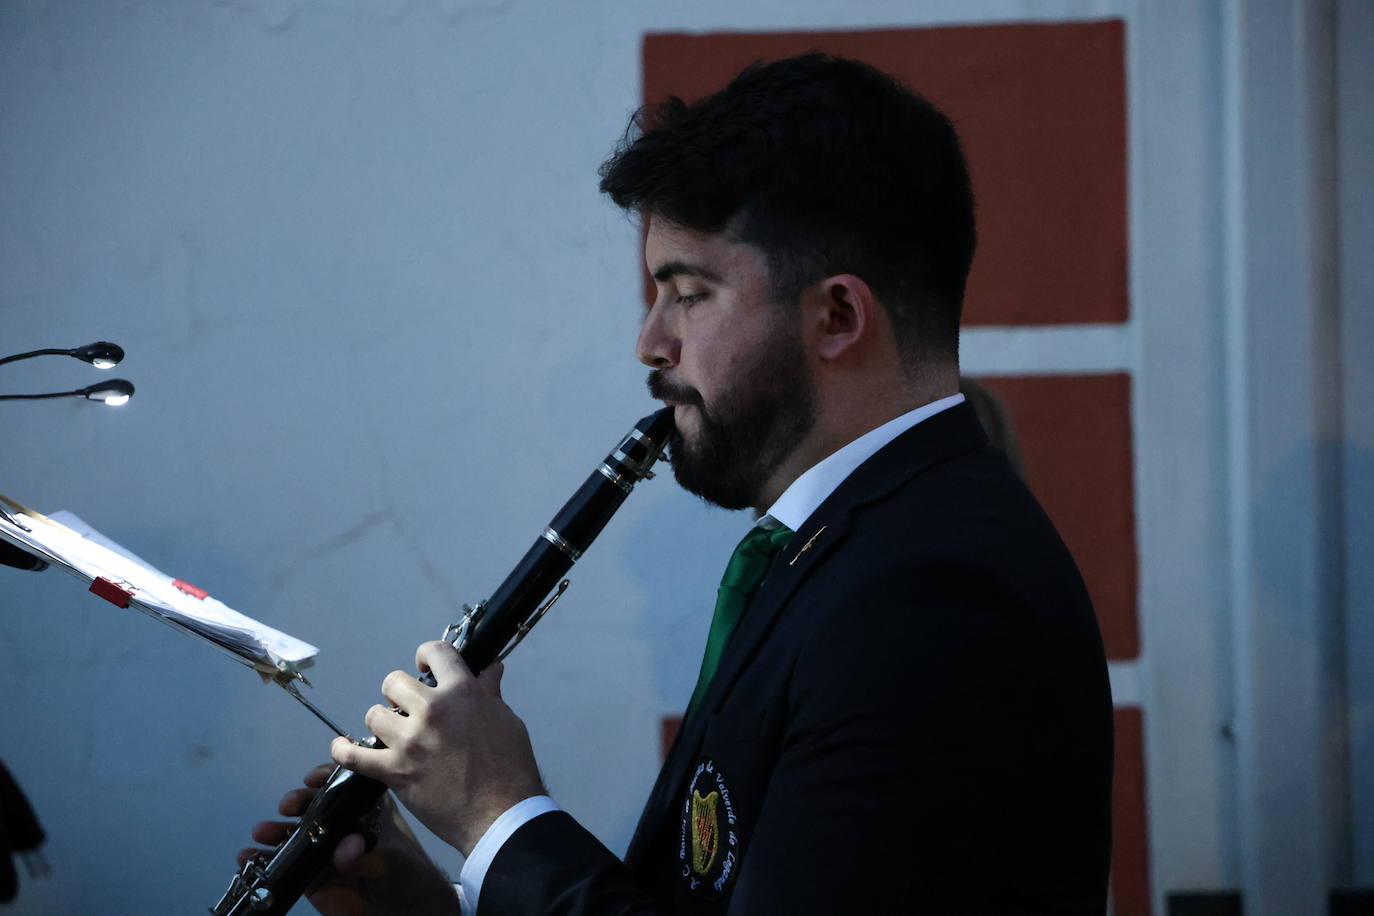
[{"x": 792, "y": 509}]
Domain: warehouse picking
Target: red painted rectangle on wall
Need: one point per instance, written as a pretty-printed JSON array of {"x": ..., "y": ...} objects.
[
  {"x": 1041, "y": 108},
  {"x": 1074, "y": 434},
  {"x": 1130, "y": 828}
]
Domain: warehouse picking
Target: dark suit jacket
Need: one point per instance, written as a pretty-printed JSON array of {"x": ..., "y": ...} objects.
[{"x": 913, "y": 716}]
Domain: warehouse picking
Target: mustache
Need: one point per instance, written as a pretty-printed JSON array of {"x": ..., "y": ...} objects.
[{"x": 662, "y": 388}]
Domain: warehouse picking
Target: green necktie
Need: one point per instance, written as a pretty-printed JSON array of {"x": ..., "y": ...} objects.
[{"x": 743, "y": 576}]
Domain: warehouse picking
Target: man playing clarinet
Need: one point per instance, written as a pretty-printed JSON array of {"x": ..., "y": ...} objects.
[{"x": 903, "y": 704}]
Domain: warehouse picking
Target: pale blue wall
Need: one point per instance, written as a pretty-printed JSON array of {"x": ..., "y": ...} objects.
[{"x": 1355, "y": 156}]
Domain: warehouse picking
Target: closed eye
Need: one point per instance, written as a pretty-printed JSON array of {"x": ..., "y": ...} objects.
[{"x": 690, "y": 298}]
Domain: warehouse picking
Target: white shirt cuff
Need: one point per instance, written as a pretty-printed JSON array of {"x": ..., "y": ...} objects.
[{"x": 475, "y": 868}]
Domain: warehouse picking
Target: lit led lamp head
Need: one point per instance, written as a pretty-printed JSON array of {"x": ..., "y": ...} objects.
[{"x": 102, "y": 354}]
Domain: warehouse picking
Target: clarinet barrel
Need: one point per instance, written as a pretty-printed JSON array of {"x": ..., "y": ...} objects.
[{"x": 272, "y": 882}]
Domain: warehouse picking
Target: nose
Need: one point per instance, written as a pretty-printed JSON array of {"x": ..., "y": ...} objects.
[{"x": 658, "y": 346}]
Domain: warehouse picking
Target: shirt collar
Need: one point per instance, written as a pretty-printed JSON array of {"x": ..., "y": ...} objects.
[{"x": 808, "y": 491}]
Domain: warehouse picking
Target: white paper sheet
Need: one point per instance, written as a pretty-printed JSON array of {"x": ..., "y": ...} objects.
[{"x": 66, "y": 541}]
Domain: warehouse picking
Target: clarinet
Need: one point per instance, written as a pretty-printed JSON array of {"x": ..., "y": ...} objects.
[{"x": 271, "y": 882}]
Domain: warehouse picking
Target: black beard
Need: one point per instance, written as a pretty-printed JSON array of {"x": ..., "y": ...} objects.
[{"x": 749, "y": 429}]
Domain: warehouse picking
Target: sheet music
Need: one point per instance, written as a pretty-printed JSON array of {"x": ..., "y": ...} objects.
[{"x": 66, "y": 541}]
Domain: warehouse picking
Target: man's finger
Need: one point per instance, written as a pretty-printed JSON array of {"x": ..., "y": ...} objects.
[
  {"x": 491, "y": 677},
  {"x": 294, "y": 802},
  {"x": 347, "y": 853},
  {"x": 270, "y": 833},
  {"x": 443, "y": 661},
  {"x": 403, "y": 691},
  {"x": 243, "y": 855},
  {"x": 386, "y": 723},
  {"x": 318, "y": 775},
  {"x": 364, "y": 760}
]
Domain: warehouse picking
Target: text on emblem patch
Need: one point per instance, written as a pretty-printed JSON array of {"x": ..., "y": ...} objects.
[{"x": 708, "y": 845}]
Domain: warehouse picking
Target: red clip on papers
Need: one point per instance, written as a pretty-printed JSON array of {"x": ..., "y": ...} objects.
[
  {"x": 192, "y": 590},
  {"x": 112, "y": 593}
]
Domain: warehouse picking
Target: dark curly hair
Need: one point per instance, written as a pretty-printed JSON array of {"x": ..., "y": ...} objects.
[{"x": 827, "y": 166}]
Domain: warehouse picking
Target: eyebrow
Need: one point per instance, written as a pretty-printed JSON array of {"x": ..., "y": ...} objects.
[{"x": 670, "y": 269}]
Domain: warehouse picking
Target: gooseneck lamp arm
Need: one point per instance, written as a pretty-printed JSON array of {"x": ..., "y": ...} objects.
[{"x": 32, "y": 353}]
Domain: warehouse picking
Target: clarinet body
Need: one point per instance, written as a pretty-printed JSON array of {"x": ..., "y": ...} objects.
[{"x": 272, "y": 882}]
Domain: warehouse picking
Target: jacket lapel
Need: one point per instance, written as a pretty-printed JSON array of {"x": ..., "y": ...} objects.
[
  {"x": 787, "y": 572},
  {"x": 947, "y": 434}
]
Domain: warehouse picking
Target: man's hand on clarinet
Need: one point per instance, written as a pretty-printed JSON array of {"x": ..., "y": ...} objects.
[
  {"x": 394, "y": 876},
  {"x": 458, "y": 758}
]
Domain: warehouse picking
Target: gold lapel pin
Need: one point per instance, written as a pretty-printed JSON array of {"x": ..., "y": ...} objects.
[{"x": 807, "y": 545}]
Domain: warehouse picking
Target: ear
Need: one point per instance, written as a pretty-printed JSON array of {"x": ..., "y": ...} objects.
[{"x": 844, "y": 315}]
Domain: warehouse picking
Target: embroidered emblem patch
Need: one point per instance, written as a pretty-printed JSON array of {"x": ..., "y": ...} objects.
[{"x": 708, "y": 845}]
